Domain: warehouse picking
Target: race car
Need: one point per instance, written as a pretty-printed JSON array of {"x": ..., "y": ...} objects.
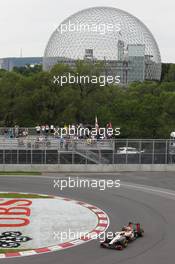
[{"x": 121, "y": 239}]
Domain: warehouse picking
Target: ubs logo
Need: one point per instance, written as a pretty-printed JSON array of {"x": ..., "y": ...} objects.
[{"x": 15, "y": 213}]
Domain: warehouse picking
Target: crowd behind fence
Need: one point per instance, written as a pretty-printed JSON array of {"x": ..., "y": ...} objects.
[{"x": 69, "y": 151}]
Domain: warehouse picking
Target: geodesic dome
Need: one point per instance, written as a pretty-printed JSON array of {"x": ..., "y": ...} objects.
[{"x": 71, "y": 44}]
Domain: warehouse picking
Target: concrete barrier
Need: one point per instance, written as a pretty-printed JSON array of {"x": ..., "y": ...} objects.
[{"x": 88, "y": 168}]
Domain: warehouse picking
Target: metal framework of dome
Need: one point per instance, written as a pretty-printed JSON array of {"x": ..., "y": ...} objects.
[{"x": 131, "y": 46}]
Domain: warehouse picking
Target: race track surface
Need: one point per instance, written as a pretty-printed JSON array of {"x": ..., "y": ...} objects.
[{"x": 148, "y": 198}]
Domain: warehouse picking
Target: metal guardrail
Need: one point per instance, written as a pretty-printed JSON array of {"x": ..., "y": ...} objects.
[{"x": 50, "y": 150}]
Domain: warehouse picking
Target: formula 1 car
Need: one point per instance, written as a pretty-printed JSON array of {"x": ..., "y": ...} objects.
[{"x": 121, "y": 239}]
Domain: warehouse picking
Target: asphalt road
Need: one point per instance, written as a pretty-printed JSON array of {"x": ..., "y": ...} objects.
[{"x": 140, "y": 198}]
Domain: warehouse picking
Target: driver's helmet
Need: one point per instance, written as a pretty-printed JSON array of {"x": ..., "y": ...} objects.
[{"x": 126, "y": 228}]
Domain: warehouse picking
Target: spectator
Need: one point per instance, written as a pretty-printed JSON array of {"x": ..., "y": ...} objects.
[
  {"x": 43, "y": 128},
  {"x": 52, "y": 129},
  {"x": 25, "y": 132},
  {"x": 38, "y": 129},
  {"x": 61, "y": 143},
  {"x": 6, "y": 132},
  {"x": 47, "y": 129},
  {"x": 67, "y": 144},
  {"x": 16, "y": 131}
]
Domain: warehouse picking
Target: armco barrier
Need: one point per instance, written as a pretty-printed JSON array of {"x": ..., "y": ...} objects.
[{"x": 88, "y": 168}]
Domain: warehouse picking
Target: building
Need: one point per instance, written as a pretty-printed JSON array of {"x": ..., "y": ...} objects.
[
  {"x": 120, "y": 40},
  {"x": 9, "y": 63}
]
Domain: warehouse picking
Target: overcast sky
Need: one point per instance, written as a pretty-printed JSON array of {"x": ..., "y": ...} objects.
[{"x": 28, "y": 24}]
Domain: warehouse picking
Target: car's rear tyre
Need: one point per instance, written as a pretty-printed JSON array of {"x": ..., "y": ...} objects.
[
  {"x": 119, "y": 247},
  {"x": 102, "y": 245}
]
